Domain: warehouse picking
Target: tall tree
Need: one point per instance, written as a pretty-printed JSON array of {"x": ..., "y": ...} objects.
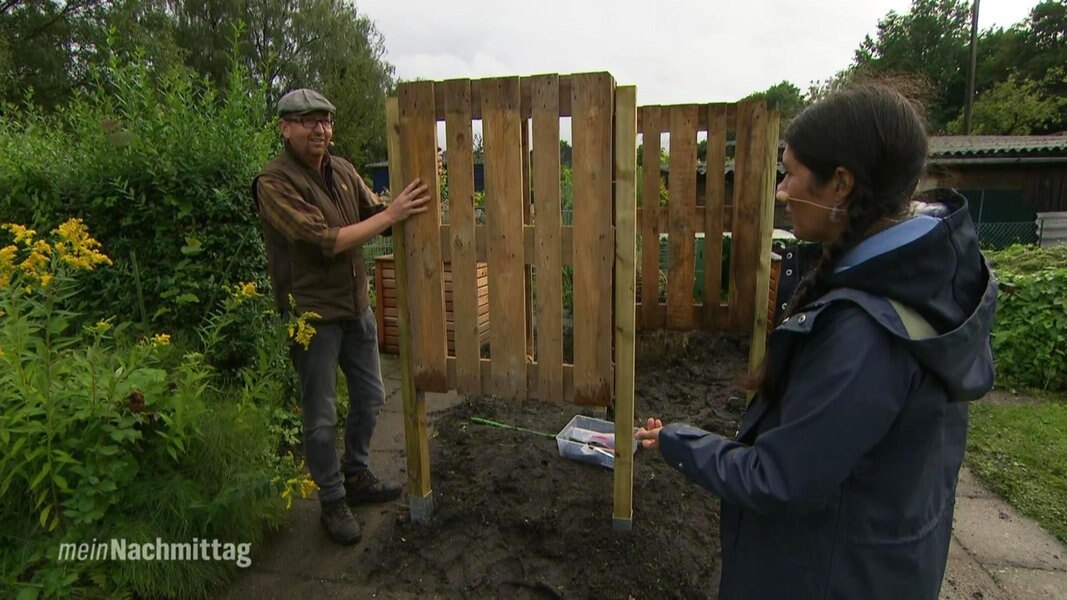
[
  {"x": 929, "y": 42},
  {"x": 784, "y": 97},
  {"x": 323, "y": 44}
]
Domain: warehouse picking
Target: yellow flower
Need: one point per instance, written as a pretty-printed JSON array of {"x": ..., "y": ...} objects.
[
  {"x": 35, "y": 266},
  {"x": 301, "y": 331},
  {"x": 77, "y": 248},
  {"x": 244, "y": 291},
  {"x": 102, "y": 326},
  {"x": 23, "y": 235},
  {"x": 160, "y": 339},
  {"x": 7, "y": 264}
]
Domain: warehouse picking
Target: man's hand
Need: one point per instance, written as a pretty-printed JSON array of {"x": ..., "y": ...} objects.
[
  {"x": 649, "y": 434},
  {"x": 411, "y": 201}
]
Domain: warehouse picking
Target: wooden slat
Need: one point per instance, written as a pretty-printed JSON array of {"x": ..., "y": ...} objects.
[
  {"x": 758, "y": 347},
  {"x": 529, "y": 242},
  {"x": 703, "y": 119},
  {"x": 682, "y": 199},
  {"x": 625, "y": 282},
  {"x": 592, "y": 102},
  {"x": 380, "y": 300},
  {"x": 527, "y": 219},
  {"x": 503, "y": 187},
  {"x": 748, "y": 200},
  {"x": 416, "y": 438},
  {"x": 532, "y": 369},
  {"x": 549, "y": 250},
  {"x": 649, "y": 215},
  {"x": 525, "y": 92},
  {"x": 697, "y": 221},
  {"x": 714, "y": 203},
  {"x": 463, "y": 267},
  {"x": 418, "y": 139}
]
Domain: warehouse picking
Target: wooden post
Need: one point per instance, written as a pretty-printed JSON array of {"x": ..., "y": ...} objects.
[
  {"x": 416, "y": 439},
  {"x": 625, "y": 299},
  {"x": 758, "y": 347}
]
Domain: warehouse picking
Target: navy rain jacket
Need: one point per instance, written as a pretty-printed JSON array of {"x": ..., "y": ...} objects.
[{"x": 841, "y": 481}]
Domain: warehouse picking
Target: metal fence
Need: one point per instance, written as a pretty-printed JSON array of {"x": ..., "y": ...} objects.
[{"x": 994, "y": 236}]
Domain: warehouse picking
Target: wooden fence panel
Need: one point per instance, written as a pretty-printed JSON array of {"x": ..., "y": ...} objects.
[
  {"x": 459, "y": 135},
  {"x": 504, "y": 196},
  {"x": 418, "y": 148},
  {"x": 592, "y": 103}
]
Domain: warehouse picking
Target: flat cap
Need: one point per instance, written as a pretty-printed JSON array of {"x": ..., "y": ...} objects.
[{"x": 303, "y": 100}]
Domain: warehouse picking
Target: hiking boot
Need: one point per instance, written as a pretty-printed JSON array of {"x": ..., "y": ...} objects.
[
  {"x": 340, "y": 524},
  {"x": 362, "y": 487}
]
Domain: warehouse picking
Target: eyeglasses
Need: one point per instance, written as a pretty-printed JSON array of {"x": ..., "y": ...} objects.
[{"x": 309, "y": 123}]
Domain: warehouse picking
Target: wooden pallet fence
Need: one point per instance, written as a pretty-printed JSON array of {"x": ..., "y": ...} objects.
[{"x": 737, "y": 212}]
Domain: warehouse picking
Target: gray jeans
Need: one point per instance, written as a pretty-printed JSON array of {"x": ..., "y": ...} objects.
[{"x": 353, "y": 345}]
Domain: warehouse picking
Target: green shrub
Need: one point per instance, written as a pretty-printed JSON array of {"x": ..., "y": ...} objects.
[
  {"x": 159, "y": 168},
  {"x": 107, "y": 434},
  {"x": 1030, "y": 334}
]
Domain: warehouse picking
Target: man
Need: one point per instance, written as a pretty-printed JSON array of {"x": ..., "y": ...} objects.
[{"x": 316, "y": 213}]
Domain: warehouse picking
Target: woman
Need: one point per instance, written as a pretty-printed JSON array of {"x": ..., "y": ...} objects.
[{"x": 842, "y": 478}]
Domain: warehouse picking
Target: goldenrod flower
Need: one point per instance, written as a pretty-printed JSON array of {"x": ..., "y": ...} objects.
[
  {"x": 35, "y": 266},
  {"x": 77, "y": 248},
  {"x": 7, "y": 264},
  {"x": 160, "y": 339},
  {"x": 301, "y": 331},
  {"x": 23, "y": 235},
  {"x": 102, "y": 326}
]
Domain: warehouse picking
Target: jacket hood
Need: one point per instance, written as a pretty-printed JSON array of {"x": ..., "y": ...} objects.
[{"x": 939, "y": 272}]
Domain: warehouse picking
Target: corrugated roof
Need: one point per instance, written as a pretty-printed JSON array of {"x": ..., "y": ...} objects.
[{"x": 946, "y": 146}]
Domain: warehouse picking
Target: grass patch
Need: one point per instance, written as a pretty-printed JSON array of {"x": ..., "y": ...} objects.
[{"x": 1020, "y": 451}]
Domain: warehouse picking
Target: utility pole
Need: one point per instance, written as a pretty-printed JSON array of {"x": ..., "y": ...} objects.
[{"x": 968, "y": 106}]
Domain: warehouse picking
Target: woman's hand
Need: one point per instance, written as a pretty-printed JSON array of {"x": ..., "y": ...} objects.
[{"x": 649, "y": 434}]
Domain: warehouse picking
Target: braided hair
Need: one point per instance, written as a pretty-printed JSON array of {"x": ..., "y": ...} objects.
[{"x": 877, "y": 134}]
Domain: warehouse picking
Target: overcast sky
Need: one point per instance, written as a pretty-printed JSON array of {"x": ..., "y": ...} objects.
[{"x": 675, "y": 51}]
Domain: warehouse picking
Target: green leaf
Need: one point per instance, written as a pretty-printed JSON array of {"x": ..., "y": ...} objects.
[
  {"x": 187, "y": 299},
  {"x": 44, "y": 515},
  {"x": 192, "y": 247}
]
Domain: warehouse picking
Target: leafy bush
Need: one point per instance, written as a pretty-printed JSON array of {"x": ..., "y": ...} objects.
[
  {"x": 104, "y": 435},
  {"x": 1030, "y": 335},
  {"x": 159, "y": 169}
]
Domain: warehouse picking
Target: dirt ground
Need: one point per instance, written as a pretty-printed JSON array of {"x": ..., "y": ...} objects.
[{"x": 515, "y": 520}]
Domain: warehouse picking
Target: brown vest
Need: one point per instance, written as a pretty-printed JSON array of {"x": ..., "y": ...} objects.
[{"x": 334, "y": 287}]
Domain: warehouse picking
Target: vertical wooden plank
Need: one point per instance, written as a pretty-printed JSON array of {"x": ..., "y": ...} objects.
[
  {"x": 652, "y": 126},
  {"x": 548, "y": 257},
  {"x": 769, "y": 154},
  {"x": 501, "y": 123},
  {"x": 714, "y": 202},
  {"x": 682, "y": 195},
  {"x": 625, "y": 297},
  {"x": 748, "y": 192},
  {"x": 459, "y": 146},
  {"x": 418, "y": 149},
  {"x": 592, "y": 104},
  {"x": 527, "y": 216},
  {"x": 416, "y": 438}
]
